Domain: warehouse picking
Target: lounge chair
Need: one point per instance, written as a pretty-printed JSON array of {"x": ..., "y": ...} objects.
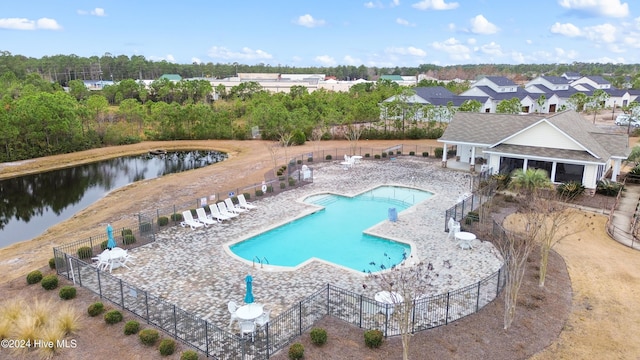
[
  {"x": 232, "y": 208},
  {"x": 223, "y": 210},
  {"x": 202, "y": 217},
  {"x": 215, "y": 213},
  {"x": 188, "y": 220},
  {"x": 242, "y": 202}
]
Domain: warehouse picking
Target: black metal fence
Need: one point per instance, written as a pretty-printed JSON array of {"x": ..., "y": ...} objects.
[{"x": 466, "y": 211}]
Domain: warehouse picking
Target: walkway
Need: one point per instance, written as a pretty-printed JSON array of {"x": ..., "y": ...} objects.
[{"x": 620, "y": 226}]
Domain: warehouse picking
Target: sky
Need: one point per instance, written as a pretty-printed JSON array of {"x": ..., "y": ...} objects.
[{"x": 298, "y": 33}]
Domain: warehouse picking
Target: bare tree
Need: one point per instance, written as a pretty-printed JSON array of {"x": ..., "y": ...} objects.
[
  {"x": 404, "y": 282},
  {"x": 274, "y": 149},
  {"x": 352, "y": 133},
  {"x": 285, "y": 142}
]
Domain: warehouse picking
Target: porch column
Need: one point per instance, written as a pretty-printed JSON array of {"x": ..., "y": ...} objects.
[
  {"x": 444, "y": 155},
  {"x": 552, "y": 176},
  {"x": 525, "y": 164},
  {"x": 472, "y": 161},
  {"x": 616, "y": 169}
]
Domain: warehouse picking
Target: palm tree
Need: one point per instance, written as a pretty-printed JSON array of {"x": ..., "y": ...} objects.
[{"x": 530, "y": 181}]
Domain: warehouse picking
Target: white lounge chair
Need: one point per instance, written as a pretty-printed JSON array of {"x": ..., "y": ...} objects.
[
  {"x": 223, "y": 210},
  {"x": 188, "y": 220},
  {"x": 232, "y": 208},
  {"x": 202, "y": 217},
  {"x": 215, "y": 213},
  {"x": 242, "y": 202}
]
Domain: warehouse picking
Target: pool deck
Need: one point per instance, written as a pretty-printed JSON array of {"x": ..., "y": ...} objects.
[{"x": 194, "y": 270}]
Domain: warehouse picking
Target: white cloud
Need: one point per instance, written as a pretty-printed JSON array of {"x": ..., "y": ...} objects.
[
  {"x": 608, "y": 8},
  {"x": 245, "y": 54},
  {"x": 26, "y": 24},
  {"x": 566, "y": 54},
  {"x": 435, "y": 5},
  {"x": 471, "y": 41},
  {"x": 350, "y": 60},
  {"x": 529, "y": 41},
  {"x": 492, "y": 49},
  {"x": 195, "y": 60},
  {"x": 308, "y": 21},
  {"x": 325, "y": 60},
  {"x": 454, "y": 48},
  {"x": 567, "y": 29},
  {"x": 518, "y": 57},
  {"x": 373, "y": 5},
  {"x": 480, "y": 25},
  {"x": 632, "y": 41},
  {"x": 98, "y": 12},
  {"x": 452, "y": 27},
  {"x": 167, "y": 58},
  {"x": 408, "y": 51},
  {"x": 404, "y": 22},
  {"x": 601, "y": 33},
  {"x": 394, "y": 3}
]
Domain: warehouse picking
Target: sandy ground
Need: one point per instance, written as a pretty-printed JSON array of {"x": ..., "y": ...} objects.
[{"x": 604, "y": 321}]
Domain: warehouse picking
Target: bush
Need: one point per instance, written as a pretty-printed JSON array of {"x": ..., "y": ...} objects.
[
  {"x": 85, "y": 252},
  {"x": 412, "y": 153},
  {"x": 309, "y": 159},
  {"x": 299, "y": 161},
  {"x": 384, "y": 154},
  {"x": 472, "y": 216},
  {"x": 126, "y": 232},
  {"x": 502, "y": 180},
  {"x": 608, "y": 188},
  {"x": 318, "y": 336},
  {"x": 189, "y": 355},
  {"x": 570, "y": 190},
  {"x": 49, "y": 282},
  {"x": 176, "y": 217},
  {"x": 298, "y": 138},
  {"x": 296, "y": 351},
  {"x": 425, "y": 154},
  {"x": 292, "y": 182},
  {"x": 438, "y": 152},
  {"x": 113, "y": 317},
  {"x": 247, "y": 196},
  {"x": 67, "y": 292},
  {"x": 367, "y": 155},
  {"x": 144, "y": 227},
  {"x": 129, "y": 239},
  {"x": 269, "y": 188},
  {"x": 167, "y": 347},
  {"x": 95, "y": 309},
  {"x": 163, "y": 221},
  {"x": 328, "y": 157},
  {"x": 34, "y": 277},
  {"x": 131, "y": 327},
  {"x": 283, "y": 185},
  {"x": 52, "y": 263},
  {"x": 259, "y": 192},
  {"x": 398, "y": 152},
  {"x": 148, "y": 336},
  {"x": 373, "y": 338},
  {"x": 376, "y": 156}
]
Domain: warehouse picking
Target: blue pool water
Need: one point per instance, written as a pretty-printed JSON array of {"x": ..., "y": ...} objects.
[{"x": 335, "y": 233}]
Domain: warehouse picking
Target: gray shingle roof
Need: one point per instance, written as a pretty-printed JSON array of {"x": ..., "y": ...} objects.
[
  {"x": 500, "y": 80},
  {"x": 556, "y": 80},
  {"x": 520, "y": 93}
]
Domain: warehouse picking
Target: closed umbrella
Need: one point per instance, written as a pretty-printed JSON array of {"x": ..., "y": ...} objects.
[
  {"x": 248, "y": 298},
  {"x": 111, "y": 243}
]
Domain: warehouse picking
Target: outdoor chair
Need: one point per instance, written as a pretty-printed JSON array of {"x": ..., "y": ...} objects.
[
  {"x": 454, "y": 227},
  {"x": 248, "y": 327},
  {"x": 232, "y": 306}
]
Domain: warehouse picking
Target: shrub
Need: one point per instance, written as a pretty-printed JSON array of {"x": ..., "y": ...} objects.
[
  {"x": 167, "y": 347},
  {"x": 85, "y": 252},
  {"x": 373, "y": 338},
  {"x": 95, "y": 309},
  {"x": 367, "y": 155},
  {"x": 438, "y": 152},
  {"x": 131, "y": 327},
  {"x": 148, "y": 336},
  {"x": 318, "y": 336},
  {"x": 296, "y": 351},
  {"x": 608, "y": 188},
  {"x": 129, "y": 239},
  {"x": 570, "y": 190},
  {"x": 34, "y": 277},
  {"x": 309, "y": 159},
  {"x": 384, "y": 154},
  {"x": 328, "y": 157},
  {"x": 52, "y": 263},
  {"x": 247, "y": 196},
  {"x": 635, "y": 170},
  {"x": 398, "y": 152},
  {"x": 269, "y": 188},
  {"x": 299, "y": 161},
  {"x": 472, "y": 216},
  {"x": 259, "y": 192},
  {"x": 279, "y": 172},
  {"x": 176, "y": 217},
  {"x": 425, "y": 154},
  {"x": 189, "y": 355},
  {"x": 113, "y": 317},
  {"x": 104, "y": 244},
  {"x": 49, "y": 282},
  {"x": 283, "y": 185},
  {"x": 67, "y": 292},
  {"x": 281, "y": 177},
  {"x": 412, "y": 153},
  {"x": 502, "y": 180},
  {"x": 298, "y": 138},
  {"x": 451, "y": 152},
  {"x": 145, "y": 227},
  {"x": 163, "y": 221},
  {"x": 292, "y": 182},
  {"x": 376, "y": 156}
]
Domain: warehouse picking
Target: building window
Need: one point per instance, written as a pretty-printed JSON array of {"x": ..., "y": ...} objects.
[
  {"x": 544, "y": 165},
  {"x": 569, "y": 172}
]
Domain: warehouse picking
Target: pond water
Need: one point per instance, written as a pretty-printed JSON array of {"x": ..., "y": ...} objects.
[{"x": 31, "y": 204}]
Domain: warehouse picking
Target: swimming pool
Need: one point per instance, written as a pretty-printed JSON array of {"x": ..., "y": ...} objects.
[{"x": 336, "y": 232}]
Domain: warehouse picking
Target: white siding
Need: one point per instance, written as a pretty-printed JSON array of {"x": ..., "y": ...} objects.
[
  {"x": 543, "y": 135},
  {"x": 589, "y": 177}
]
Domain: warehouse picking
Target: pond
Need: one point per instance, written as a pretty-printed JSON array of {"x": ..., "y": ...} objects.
[{"x": 33, "y": 203}]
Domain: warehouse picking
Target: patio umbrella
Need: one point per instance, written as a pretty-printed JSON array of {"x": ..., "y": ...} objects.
[
  {"x": 111, "y": 243},
  {"x": 248, "y": 298}
]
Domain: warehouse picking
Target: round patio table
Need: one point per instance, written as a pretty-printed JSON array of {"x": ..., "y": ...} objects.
[{"x": 250, "y": 311}]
